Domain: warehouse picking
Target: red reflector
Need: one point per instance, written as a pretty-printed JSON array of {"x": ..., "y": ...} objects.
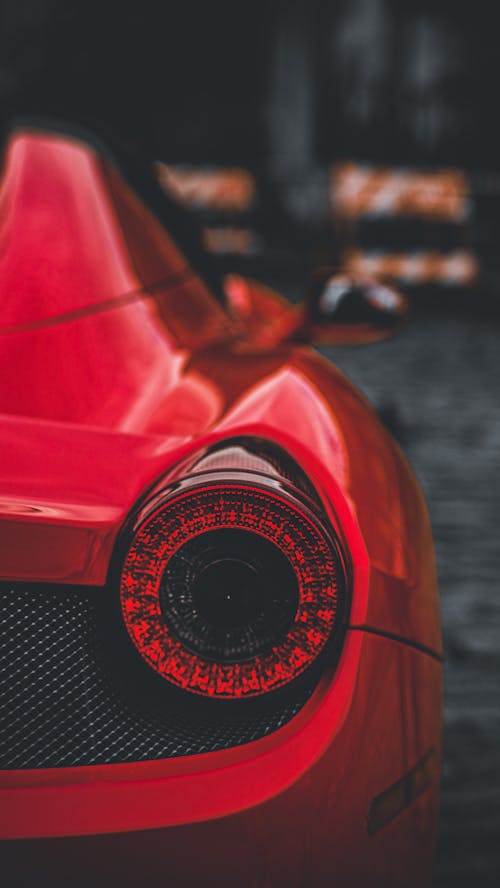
[{"x": 230, "y": 590}]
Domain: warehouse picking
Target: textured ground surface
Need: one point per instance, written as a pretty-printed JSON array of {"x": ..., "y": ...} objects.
[{"x": 438, "y": 385}]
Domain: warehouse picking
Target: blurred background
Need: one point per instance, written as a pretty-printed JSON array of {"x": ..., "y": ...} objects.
[{"x": 363, "y": 134}]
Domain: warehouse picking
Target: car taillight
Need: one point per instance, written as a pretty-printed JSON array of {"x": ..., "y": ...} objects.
[{"x": 232, "y": 584}]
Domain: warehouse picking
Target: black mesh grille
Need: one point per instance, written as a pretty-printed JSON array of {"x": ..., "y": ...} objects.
[{"x": 73, "y": 692}]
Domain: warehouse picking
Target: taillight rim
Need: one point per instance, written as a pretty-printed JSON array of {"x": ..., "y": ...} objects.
[{"x": 256, "y": 676}]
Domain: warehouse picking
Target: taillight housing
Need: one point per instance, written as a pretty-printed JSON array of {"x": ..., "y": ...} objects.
[{"x": 233, "y": 582}]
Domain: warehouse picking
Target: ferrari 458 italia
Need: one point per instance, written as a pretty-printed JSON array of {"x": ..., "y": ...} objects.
[{"x": 220, "y": 643}]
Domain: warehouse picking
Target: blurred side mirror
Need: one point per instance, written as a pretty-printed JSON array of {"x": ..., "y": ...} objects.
[
  {"x": 346, "y": 309},
  {"x": 339, "y": 309}
]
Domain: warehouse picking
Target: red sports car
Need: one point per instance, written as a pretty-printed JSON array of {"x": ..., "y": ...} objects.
[{"x": 220, "y": 642}]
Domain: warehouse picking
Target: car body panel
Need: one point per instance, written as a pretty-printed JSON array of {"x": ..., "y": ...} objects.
[
  {"x": 74, "y": 237},
  {"x": 327, "y": 423},
  {"x": 118, "y": 364},
  {"x": 243, "y": 809}
]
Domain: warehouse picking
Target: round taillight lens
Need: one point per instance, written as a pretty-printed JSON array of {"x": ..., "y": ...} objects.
[{"x": 231, "y": 590}]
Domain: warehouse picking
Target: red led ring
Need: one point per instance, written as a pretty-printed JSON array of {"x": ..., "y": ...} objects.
[{"x": 271, "y": 515}]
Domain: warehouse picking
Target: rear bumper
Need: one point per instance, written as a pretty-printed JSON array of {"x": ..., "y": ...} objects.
[{"x": 291, "y": 809}]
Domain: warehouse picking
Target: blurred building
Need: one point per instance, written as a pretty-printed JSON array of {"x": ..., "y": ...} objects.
[{"x": 301, "y": 98}]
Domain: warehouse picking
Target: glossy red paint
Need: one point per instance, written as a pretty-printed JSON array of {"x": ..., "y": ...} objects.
[
  {"x": 117, "y": 363},
  {"x": 75, "y": 238},
  {"x": 313, "y": 780}
]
